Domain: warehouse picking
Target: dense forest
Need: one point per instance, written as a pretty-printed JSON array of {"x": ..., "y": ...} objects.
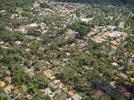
[
  {"x": 14, "y": 3},
  {"x": 115, "y": 2}
]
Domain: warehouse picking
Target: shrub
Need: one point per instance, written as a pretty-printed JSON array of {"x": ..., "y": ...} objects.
[
  {"x": 82, "y": 28},
  {"x": 18, "y": 74},
  {"x": 40, "y": 81},
  {"x": 69, "y": 75},
  {"x": 33, "y": 32},
  {"x": 10, "y": 36}
]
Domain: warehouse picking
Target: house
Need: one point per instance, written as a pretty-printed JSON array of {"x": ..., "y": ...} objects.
[
  {"x": 86, "y": 19},
  {"x": 111, "y": 27},
  {"x": 47, "y": 91},
  {"x": 18, "y": 42},
  {"x": 2, "y": 11},
  {"x": 46, "y": 11},
  {"x": 71, "y": 35},
  {"x": 76, "y": 97},
  {"x": 116, "y": 34},
  {"x": 25, "y": 28},
  {"x": 2, "y": 83},
  {"x": 33, "y": 25},
  {"x": 14, "y": 16},
  {"x": 8, "y": 28},
  {"x": 49, "y": 74},
  {"x": 121, "y": 25}
]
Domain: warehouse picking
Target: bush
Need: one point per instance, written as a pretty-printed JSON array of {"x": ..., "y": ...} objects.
[{"x": 44, "y": 5}]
